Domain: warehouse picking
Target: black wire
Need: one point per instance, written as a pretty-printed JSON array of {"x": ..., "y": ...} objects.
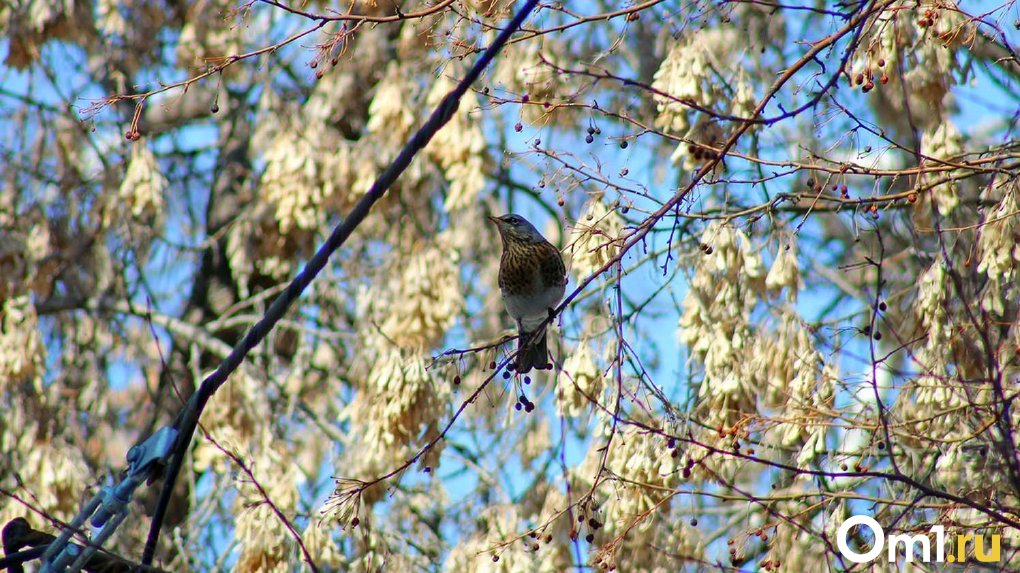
[{"x": 188, "y": 418}]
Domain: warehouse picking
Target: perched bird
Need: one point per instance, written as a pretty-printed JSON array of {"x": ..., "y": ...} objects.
[{"x": 532, "y": 279}]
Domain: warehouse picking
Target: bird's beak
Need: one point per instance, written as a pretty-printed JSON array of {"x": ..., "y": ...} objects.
[{"x": 493, "y": 219}]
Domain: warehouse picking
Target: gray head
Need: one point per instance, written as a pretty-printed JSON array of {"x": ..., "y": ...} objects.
[{"x": 516, "y": 228}]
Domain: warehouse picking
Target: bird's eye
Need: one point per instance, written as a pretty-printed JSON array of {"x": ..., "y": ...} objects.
[{"x": 515, "y": 221}]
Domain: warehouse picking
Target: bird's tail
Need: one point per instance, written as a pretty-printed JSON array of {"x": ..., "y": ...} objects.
[{"x": 532, "y": 355}]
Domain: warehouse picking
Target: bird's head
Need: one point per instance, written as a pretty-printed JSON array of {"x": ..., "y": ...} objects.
[{"x": 516, "y": 228}]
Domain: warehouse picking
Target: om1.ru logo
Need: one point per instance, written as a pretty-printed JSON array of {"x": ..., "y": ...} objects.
[{"x": 910, "y": 542}]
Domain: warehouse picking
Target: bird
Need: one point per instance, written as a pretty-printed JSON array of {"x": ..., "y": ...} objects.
[{"x": 532, "y": 280}]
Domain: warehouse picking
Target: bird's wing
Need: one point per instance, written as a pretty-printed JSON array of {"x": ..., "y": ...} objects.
[{"x": 554, "y": 273}]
